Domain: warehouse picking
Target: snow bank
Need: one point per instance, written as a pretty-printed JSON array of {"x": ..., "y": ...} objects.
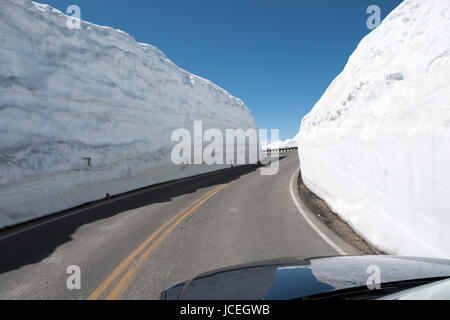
[
  {"x": 91, "y": 111},
  {"x": 376, "y": 146},
  {"x": 288, "y": 143}
]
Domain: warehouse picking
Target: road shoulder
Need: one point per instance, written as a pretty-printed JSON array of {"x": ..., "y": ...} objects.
[{"x": 338, "y": 232}]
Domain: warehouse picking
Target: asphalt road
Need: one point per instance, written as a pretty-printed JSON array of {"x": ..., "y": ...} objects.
[{"x": 131, "y": 247}]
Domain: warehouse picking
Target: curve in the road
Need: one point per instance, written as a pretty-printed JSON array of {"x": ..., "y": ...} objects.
[{"x": 133, "y": 247}]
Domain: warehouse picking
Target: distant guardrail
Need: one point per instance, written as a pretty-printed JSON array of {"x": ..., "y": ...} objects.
[{"x": 280, "y": 150}]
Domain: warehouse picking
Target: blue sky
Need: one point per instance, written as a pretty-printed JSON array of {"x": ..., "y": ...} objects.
[{"x": 278, "y": 56}]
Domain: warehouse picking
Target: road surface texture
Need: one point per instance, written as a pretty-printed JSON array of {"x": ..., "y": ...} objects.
[{"x": 132, "y": 246}]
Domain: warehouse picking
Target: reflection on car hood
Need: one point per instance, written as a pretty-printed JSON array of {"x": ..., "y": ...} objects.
[{"x": 288, "y": 278}]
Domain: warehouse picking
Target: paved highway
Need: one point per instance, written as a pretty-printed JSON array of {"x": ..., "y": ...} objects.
[{"x": 132, "y": 246}]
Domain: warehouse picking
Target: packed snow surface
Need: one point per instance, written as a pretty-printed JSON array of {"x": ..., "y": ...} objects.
[
  {"x": 376, "y": 146},
  {"x": 88, "y": 112}
]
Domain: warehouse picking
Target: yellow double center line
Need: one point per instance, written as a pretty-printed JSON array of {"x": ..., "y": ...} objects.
[{"x": 122, "y": 284}]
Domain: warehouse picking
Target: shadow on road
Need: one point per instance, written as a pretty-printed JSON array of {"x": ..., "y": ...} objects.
[{"x": 32, "y": 246}]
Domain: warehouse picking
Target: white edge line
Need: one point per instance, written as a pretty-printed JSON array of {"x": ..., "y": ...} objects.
[{"x": 305, "y": 216}]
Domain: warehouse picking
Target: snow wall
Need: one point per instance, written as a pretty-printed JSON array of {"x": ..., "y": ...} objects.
[
  {"x": 88, "y": 112},
  {"x": 376, "y": 146}
]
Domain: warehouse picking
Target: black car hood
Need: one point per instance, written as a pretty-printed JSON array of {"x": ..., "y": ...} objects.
[{"x": 289, "y": 278}]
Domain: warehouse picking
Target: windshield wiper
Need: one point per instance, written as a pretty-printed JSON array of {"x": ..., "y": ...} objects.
[{"x": 364, "y": 293}]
